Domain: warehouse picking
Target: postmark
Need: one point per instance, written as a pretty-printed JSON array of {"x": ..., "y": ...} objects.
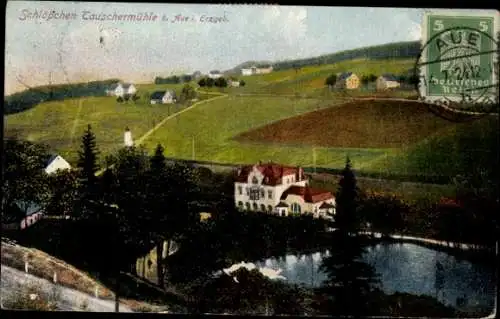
[{"x": 458, "y": 62}]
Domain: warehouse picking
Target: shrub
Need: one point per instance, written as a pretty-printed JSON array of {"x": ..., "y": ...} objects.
[{"x": 32, "y": 298}]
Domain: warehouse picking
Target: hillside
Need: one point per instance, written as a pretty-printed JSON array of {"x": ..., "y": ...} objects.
[
  {"x": 362, "y": 124},
  {"x": 396, "y": 50}
]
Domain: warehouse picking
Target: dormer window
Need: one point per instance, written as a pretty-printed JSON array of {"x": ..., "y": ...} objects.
[{"x": 255, "y": 180}]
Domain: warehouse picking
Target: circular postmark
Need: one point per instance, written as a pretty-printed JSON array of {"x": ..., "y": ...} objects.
[{"x": 458, "y": 72}]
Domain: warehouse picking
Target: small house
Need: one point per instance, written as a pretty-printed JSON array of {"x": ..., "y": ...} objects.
[
  {"x": 387, "y": 81},
  {"x": 347, "y": 80},
  {"x": 122, "y": 89},
  {"x": 56, "y": 163},
  {"x": 214, "y": 74},
  {"x": 163, "y": 97},
  {"x": 234, "y": 83},
  {"x": 27, "y": 212},
  {"x": 246, "y": 72}
]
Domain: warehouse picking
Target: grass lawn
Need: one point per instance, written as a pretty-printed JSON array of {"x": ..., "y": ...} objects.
[
  {"x": 60, "y": 124},
  {"x": 206, "y": 133}
]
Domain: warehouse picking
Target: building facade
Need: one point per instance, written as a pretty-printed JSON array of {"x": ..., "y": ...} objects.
[
  {"x": 347, "y": 80},
  {"x": 387, "y": 81},
  {"x": 279, "y": 189}
]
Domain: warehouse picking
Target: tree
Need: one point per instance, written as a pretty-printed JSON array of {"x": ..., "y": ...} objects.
[
  {"x": 210, "y": 82},
  {"x": 64, "y": 187},
  {"x": 242, "y": 83},
  {"x": 158, "y": 202},
  {"x": 220, "y": 82},
  {"x": 350, "y": 281},
  {"x": 331, "y": 80},
  {"x": 24, "y": 179},
  {"x": 88, "y": 167},
  {"x": 202, "y": 82},
  {"x": 188, "y": 93}
]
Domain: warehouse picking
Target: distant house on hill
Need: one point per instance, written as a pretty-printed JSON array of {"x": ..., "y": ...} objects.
[
  {"x": 122, "y": 89},
  {"x": 215, "y": 74},
  {"x": 387, "y": 81},
  {"x": 197, "y": 75},
  {"x": 56, "y": 163},
  {"x": 163, "y": 97},
  {"x": 257, "y": 70},
  {"x": 246, "y": 71},
  {"x": 347, "y": 80},
  {"x": 233, "y": 83}
]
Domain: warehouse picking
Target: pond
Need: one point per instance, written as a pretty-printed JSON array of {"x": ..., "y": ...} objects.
[{"x": 409, "y": 268}]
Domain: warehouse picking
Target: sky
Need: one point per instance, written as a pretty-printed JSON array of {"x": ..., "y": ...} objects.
[{"x": 41, "y": 51}]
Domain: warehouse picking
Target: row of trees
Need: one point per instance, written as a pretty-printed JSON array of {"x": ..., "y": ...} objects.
[
  {"x": 175, "y": 79},
  {"x": 219, "y": 82},
  {"x": 24, "y": 100}
]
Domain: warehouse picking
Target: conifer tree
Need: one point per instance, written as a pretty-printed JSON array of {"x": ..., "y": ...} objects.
[
  {"x": 87, "y": 163},
  {"x": 349, "y": 279}
]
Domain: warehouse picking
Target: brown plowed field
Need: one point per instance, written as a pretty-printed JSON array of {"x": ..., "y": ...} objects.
[{"x": 360, "y": 124}]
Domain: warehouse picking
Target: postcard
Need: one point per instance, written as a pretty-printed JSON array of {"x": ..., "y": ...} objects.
[{"x": 250, "y": 159}]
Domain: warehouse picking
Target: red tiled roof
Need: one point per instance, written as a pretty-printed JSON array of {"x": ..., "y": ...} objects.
[
  {"x": 310, "y": 195},
  {"x": 273, "y": 173}
]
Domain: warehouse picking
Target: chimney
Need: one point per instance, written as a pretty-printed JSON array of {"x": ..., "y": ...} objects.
[{"x": 127, "y": 138}]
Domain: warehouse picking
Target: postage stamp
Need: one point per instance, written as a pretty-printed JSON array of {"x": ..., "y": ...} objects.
[
  {"x": 458, "y": 63},
  {"x": 250, "y": 159}
]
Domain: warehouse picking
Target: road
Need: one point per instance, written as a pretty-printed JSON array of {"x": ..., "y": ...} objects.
[{"x": 70, "y": 300}]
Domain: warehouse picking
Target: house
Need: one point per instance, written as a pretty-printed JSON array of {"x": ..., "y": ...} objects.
[
  {"x": 281, "y": 190},
  {"x": 122, "y": 89},
  {"x": 56, "y": 163},
  {"x": 29, "y": 213},
  {"x": 196, "y": 75},
  {"x": 214, "y": 74},
  {"x": 257, "y": 70},
  {"x": 387, "y": 81},
  {"x": 163, "y": 97},
  {"x": 265, "y": 69},
  {"x": 347, "y": 80},
  {"x": 246, "y": 72},
  {"x": 233, "y": 83}
]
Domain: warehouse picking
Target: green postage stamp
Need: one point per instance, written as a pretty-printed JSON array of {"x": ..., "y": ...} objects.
[{"x": 459, "y": 59}]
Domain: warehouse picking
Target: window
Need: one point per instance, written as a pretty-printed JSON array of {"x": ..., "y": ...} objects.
[
  {"x": 247, "y": 205},
  {"x": 263, "y": 208},
  {"x": 296, "y": 208},
  {"x": 255, "y": 180},
  {"x": 270, "y": 208},
  {"x": 240, "y": 205},
  {"x": 270, "y": 194},
  {"x": 248, "y": 191},
  {"x": 262, "y": 194},
  {"x": 240, "y": 190},
  {"x": 255, "y": 207},
  {"x": 254, "y": 193}
]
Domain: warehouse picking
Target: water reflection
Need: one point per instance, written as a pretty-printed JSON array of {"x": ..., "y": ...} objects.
[{"x": 406, "y": 268}]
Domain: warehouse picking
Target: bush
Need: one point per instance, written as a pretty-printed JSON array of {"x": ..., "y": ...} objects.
[
  {"x": 32, "y": 298},
  {"x": 119, "y": 99}
]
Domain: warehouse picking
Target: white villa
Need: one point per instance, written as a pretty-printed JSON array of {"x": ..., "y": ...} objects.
[
  {"x": 121, "y": 89},
  {"x": 281, "y": 190},
  {"x": 56, "y": 163}
]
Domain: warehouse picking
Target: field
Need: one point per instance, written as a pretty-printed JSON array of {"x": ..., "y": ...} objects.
[
  {"x": 362, "y": 124},
  {"x": 207, "y": 133},
  {"x": 60, "y": 124}
]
